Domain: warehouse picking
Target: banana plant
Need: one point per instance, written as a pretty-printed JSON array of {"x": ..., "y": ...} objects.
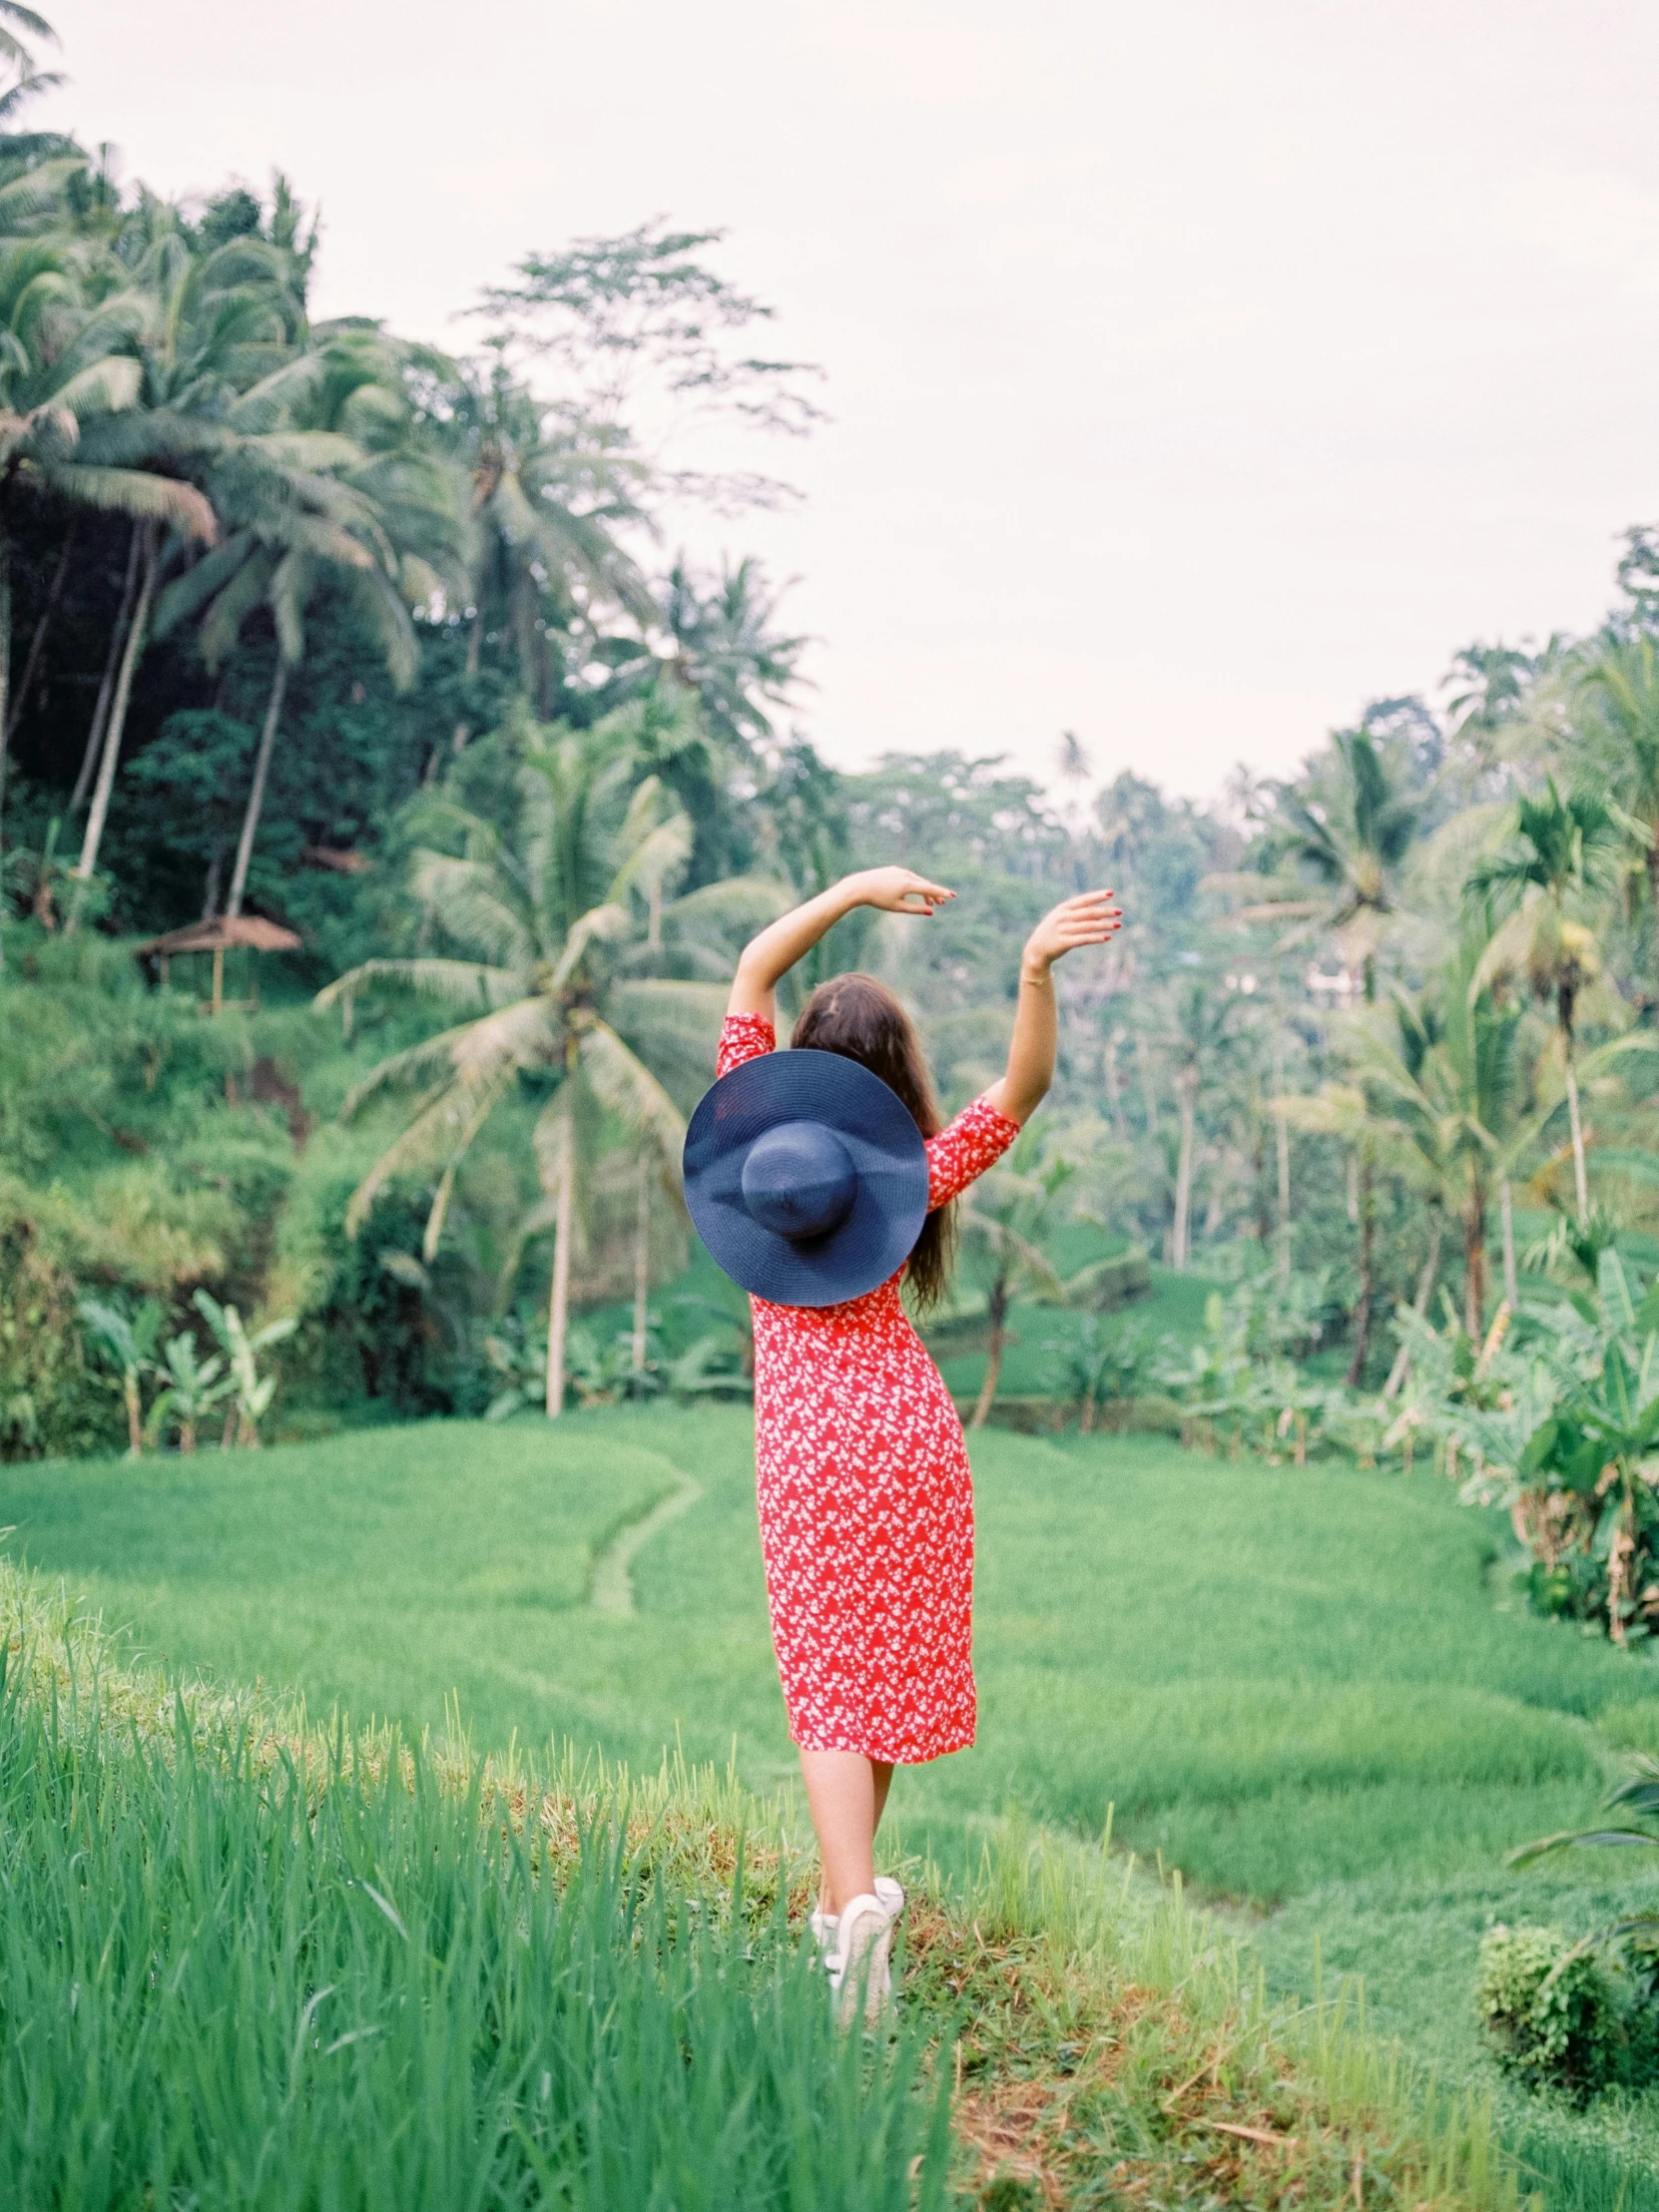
[
  {"x": 1638, "y": 1796},
  {"x": 190, "y": 1388},
  {"x": 1101, "y": 1365},
  {"x": 127, "y": 1343},
  {"x": 1597, "y": 1453},
  {"x": 250, "y": 1392}
]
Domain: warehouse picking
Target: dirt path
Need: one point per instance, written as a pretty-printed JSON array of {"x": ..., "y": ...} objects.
[{"x": 612, "y": 1589}]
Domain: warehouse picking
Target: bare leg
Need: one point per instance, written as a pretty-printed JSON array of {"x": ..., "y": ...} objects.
[
  {"x": 847, "y": 1794},
  {"x": 882, "y": 1771}
]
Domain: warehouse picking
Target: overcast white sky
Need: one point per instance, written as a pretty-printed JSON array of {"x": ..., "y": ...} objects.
[{"x": 1198, "y": 371}]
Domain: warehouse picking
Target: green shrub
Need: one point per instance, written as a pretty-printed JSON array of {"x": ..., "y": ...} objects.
[
  {"x": 49, "y": 1403},
  {"x": 1550, "y": 2011}
]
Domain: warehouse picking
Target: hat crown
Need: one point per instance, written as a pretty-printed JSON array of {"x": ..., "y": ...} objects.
[{"x": 799, "y": 1180}]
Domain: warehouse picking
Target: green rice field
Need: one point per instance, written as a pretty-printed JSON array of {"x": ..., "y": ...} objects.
[{"x": 1306, "y": 1690}]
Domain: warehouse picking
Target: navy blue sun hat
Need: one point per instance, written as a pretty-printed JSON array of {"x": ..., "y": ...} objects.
[{"x": 805, "y": 1177}]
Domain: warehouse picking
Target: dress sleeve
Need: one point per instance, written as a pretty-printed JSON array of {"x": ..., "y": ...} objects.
[
  {"x": 744, "y": 1037},
  {"x": 964, "y": 1148}
]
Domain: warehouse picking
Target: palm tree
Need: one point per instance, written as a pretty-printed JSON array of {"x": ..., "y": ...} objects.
[
  {"x": 1436, "y": 1095},
  {"x": 1618, "y": 689},
  {"x": 1563, "y": 857},
  {"x": 546, "y": 919},
  {"x": 1075, "y": 770},
  {"x": 728, "y": 650},
  {"x": 208, "y": 324},
  {"x": 1197, "y": 1023},
  {"x": 546, "y": 499},
  {"x": 334, "y": 494},
  {"x": 70, "y": 429},
  {"x": 1352, "y": 839}
]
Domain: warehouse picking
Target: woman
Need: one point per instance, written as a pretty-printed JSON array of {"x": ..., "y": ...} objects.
[{"x": 866, "y": 1497}]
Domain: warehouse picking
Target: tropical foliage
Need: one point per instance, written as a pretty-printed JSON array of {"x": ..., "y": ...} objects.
[{"x": 305, "y": 625}]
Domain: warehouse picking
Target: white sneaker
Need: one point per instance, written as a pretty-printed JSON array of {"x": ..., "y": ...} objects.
[
  {"x": 860, "y": 1970},
  {"x": 824, "y": 1924}
]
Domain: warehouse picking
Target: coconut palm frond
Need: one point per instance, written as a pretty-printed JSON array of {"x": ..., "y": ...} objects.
[
  {"x": 484, "y": 1104},
  {"x": 39, "y": 189},
  {"x": 600, "y": 924},
  {"x": 658, "y": 853},
  {"x": 101, "y": 387},
  {"x": 523, "y": 1035},
  {"x": 691, "y": 1013},
  {"x": 377, "y": 600},
  {"x": 478, "y": 905},
  {"x": 446, "y": 1123},
  {"x": 454, "y": 982},
  {"x": 742, "y": 902},
  {"x": 624, "y": 1084},
  {"x": 416, "y": 1063},
  {"x": 244, "y": 592},
  {"x": 186, "y": 595},
  {"x": 134, "y": 491}
]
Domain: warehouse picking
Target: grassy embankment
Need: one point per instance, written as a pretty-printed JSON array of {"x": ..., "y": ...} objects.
[
  {"x": 247, "y": 1964},
  {"x": 1295, "y": 1687}
]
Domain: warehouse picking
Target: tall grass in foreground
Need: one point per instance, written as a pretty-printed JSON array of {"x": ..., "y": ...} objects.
[
  {"x": 229, "y": 1979},
  {"x": 245, "y": 1963}
]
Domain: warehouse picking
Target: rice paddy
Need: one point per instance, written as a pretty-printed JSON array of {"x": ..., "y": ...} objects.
[{"x": 1306, "y": 1690}]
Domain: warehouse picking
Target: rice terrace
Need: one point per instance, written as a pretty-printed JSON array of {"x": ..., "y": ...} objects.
[{"x": 829, "y": 1110}]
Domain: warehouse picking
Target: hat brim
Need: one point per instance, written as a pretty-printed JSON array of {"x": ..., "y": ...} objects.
[{"x": 887, "y": 1154}]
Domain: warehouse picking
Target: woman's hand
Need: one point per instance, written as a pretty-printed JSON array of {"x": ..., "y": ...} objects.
[
  {"x": 896, "y": 890},
  {"x": 1090, "y": 919}
]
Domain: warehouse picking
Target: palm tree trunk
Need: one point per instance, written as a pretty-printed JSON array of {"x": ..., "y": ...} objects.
[
  {"x": 642, "y": 1265},
  {"x": 998, "y": 1305},
  {"x": 1184, "y": 1175},
  {"x": 558, "y": 1304},
  {"x": 1580, "y": 1182},
  {"x": 474, "y": 645},
  {"x": 111, "y": 661},
  {"x": 255, "y": 797},
  {"x": 151, "y": 562},
  {"x": 1367, "y": 1240},
  {"x": 1511, "y": 1294},
  {"x": 1474, "y": 1260},
  {"x": 1420, "y": 1304},
  {"x": 37, "y": 644}
]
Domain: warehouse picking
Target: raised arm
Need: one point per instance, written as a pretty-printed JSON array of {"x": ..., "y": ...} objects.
[
  {"x": 1088, "y": 919},
  {"x": 896, "y": 890}
]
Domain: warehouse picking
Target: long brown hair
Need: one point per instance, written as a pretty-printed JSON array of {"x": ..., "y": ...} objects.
[{"x": 861, "y": 1019}]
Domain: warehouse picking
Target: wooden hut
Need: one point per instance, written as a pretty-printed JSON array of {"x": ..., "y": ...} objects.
[{"x": 251, "y": 931}]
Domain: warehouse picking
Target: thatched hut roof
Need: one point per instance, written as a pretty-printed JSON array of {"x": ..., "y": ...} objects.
[{"x": 218, "y": 935}]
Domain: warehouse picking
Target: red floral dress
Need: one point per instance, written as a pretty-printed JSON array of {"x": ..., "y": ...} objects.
[{"x": 866, "y": 1497}]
